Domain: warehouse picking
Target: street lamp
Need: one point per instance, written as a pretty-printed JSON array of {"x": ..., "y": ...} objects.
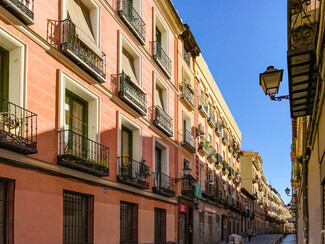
[
  {"x": 287, "y": 191},
  {"x": 187, "y": 170},
  {"x": 270, "y": 81}
]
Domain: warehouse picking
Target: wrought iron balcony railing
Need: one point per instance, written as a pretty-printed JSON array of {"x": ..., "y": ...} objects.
[
  {"x": 22, "y": 9},
  {"x": 212, "y": 118},
  {"x": 218, "y": 129},
  {"x": 225, "y": 139},
  {"x": 187, "y": 57},
  {"x": 87, "y": 55},
  {"x": 208, "y": 190},
  {"x": 187, "y": 187},
  {"x": 81, "y": 153},
  {"x": 204, "y": 146},
  {"x": 219, "y": 163},
  {"x": 163, "y": 184},
  {"x": 225, "y": 167},
  {"x": 163, "y": 121},
  {"x": 212, "y": 156},
  {"x": 132, "y": 94},
  {"x": 203, "y": 106},
  {"x": 188, "y": 140},
  {"x": 132, "y": 172},
  {"x": 231, "y": 173},
  {"x": 162, "y": 59},
  {"x": 133, "y": 20},
  {"x": 18, "y": 129},
  {"x": 187, "y": 96}
]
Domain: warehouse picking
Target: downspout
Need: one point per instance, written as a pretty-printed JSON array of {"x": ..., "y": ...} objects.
[{"x": 305, "y": 185}]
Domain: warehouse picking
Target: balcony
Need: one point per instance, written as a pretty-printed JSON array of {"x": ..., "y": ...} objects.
[
  {"x": 231, "y": 173},
  {"x": 133, "y": 95},
  {"x": 188, "y": 186},
  {"x": 218, "y": 128},
  {"x": 162, "y": 59},
  {"x": 187, "y": 57},
  {"x": 133, "y": 173},
  {"x": 225, "y": 138},
  {"x": 188, "y": 140},
  {"x": 225, "y": 167},
  {"x": 163, "y": 185},
  {"x": 77, "y": 46},
  {"x": 222, "y": 197},
  {"x": 208, "y": 190},
  {"x": 219, "y": 163},
  {"x": 230, "y": 146},
  {"x": 204, "y": 146},
  {"x": 163, "y": 121},
  {"x": 188, "y": 95},
  {"x": 22, "y": 9},
  {"x": 18, "y": 129},
  {"x": 132, "y": 19},
  {"x": 303, "y": 27},
  {"x": 203, "y": 106},
  {"x": 212, "y": 119},
  {"x": 80, "y": 153},
  {"x": 212, "y": 156}
]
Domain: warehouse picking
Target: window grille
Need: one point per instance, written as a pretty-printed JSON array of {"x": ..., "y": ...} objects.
[
  {"x": 160, "y": 226},
  {"x": 128, "y": 223},
  {"x": 6, "y": 211}
]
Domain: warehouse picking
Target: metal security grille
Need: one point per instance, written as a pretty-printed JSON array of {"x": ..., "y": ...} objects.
[
  {"x": 160, "y": 226},
  {"x": 128, "y": 223},
  {"x": 78, "y": 218},
  {"x": 6, "y": 211}
]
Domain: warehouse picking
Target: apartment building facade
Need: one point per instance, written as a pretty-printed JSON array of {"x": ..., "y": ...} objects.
[
  {"x": 269, "y": 209},
  {"x": 307, "y": 114}
]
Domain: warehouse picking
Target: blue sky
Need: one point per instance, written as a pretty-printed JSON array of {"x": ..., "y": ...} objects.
[{"x": 238, "y": 40}]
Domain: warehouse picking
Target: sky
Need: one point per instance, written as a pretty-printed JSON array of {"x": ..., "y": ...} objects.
[{"x": 239, "y": 39}]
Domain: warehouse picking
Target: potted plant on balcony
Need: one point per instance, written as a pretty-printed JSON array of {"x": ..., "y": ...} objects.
[{"x": 144, "y": 170}]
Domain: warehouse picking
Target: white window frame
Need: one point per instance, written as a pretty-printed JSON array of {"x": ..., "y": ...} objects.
[
  {"x": 94, "y": 9},
  {"x": 136, "y": 134},
  {"x": 17, "y": 67},
  {"x": 124, "y": 43},
  {"x": 158, "y": 81},
  {"x": 164, "y": 32},
  {"x": 68, "y": 82},
  {"x": 164, "y": 156}
]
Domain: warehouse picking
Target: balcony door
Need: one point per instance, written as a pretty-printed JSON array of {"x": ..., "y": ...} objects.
[
  {"x": 76, "y": 124},
  {"x": 4, "y": 79},
  {"x": 158, "y": 166}
]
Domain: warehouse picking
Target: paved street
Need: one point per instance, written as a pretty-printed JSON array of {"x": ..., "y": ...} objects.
[
  {"x": 290, "y": 239},
  {"x": 265, "y": 239}
]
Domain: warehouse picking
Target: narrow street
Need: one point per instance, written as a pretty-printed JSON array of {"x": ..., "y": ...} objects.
[
  {"x": 264, "y": 239},
  {"x": 290, "y": 239}
]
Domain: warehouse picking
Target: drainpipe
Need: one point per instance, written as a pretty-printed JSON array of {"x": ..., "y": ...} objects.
[{"x": 305, "y": 184}]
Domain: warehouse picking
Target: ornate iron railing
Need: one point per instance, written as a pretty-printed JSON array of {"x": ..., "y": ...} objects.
[
  {"x": 187, "y": 95},
  {"x": 22, "y": 9},
  {"x": 188, "y": 140},
  {"x": 18, "y": 129},
  {"x": 212, "y": 118},
  {"x": 219, "y": 164},
  {"x": 225, "y": 167},
  {"x": 132, "y": 94},
  {"x": 132, "y": 19},
  {"x": 204, "y": 146},
  {"x": 162, "y": 58},
  {"x": 81, "y": 153},
  {"x": 187, "y": 187},
  {"x": 225, "y": 138},
  {"x": 212, "y": 156},
  {"x": 163, "y": 184},
  {"x": 133, "y": 173},
  {"x": 218, "y": 129},
  {"x": 187, "y": 57},
  {"x": 163, "y": 121},
  {"x": 208, "y": 190},
  {"x": 88, "y": 57},
  {"x": 231, "y": 173},
  {"x": 203, "y": 105}
]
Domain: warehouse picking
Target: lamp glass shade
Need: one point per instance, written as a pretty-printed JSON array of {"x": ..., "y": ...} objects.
[
  {"x": 287, "y": 191},
  {"x": 270, "y": 80},
  {"x": 187, "y": 170}
]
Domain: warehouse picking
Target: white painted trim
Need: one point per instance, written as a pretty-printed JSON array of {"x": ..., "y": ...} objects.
[
  {"x": 68, "y": 82},
  {"x": 166, "y": 48},
  {"x": 17, "y": 75},
  {"x": 122, "y": 39}
]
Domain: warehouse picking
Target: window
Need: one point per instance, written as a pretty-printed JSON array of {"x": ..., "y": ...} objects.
[
  {"x": 4, "y": 79},
  {"x": 78, "y": 218},
  {"x": 161, "y": 94},
  {"x": 161, "y": 164},
  {"x": 160, "y": 226},
  {"x": 7, "y": 211},
  {"x": 85, "y": 15},
  {"x": 130, "y": 61},
  {"x": 128, "y": 223},
  {"x": 127, "y": 142}
]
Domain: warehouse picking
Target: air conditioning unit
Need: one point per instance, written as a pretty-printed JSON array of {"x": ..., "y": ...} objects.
[{"x": 210, "y": 178}]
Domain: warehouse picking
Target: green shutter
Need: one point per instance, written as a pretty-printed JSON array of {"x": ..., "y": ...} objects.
[{"x": 4, "y": 79}]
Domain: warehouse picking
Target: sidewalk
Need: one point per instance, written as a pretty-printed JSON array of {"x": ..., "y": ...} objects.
[
  {"x": 265, "y": 239},
  {"x": 290, "y": 239}
]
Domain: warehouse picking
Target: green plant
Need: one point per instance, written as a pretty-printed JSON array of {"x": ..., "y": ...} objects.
[{"x": 144, "y": 170}]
